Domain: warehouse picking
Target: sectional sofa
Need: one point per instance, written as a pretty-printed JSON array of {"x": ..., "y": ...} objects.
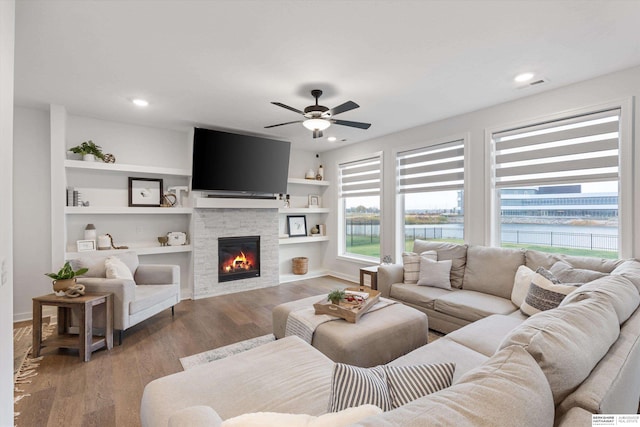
[{"x": 556, "y": 367}]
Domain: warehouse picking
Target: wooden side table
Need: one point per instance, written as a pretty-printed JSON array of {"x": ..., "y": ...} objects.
[
  {"x": 372, "y": 272},
  {"x": 85, "y": 341}
]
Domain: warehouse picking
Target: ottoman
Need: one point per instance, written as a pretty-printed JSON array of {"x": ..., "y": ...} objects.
[{"x": 377, "y": 338}]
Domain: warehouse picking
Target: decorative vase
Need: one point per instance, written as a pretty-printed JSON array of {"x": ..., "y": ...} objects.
[
  {"x": 63, "y": 284},
  {"x": 88, "y": 157},
  {"x": 90, "y": 232}
]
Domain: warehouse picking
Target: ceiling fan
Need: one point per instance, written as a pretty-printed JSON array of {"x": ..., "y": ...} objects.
[{"x": 318, "y": 117}]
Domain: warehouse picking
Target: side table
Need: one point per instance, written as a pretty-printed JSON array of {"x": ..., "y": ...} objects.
[
  {"x": 372, "y": 272},
  {"x": 82, "y": 306}
]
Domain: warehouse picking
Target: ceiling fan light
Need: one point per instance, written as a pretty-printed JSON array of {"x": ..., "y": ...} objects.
[{"x": 316, "y": 124}]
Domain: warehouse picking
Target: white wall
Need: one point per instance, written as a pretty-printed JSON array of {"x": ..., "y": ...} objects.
[
  {"x": 616, "y": 86},
  {"x": 7, "y": 37}
]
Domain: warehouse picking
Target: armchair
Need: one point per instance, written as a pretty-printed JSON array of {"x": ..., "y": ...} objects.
[{"x": 154, "y": 288}]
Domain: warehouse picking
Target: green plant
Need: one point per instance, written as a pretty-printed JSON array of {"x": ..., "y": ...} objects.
[
  {"x": 66, "y": 272},
  {"x": 88, "y": 147},
  {"x": 336, "y": 296}
]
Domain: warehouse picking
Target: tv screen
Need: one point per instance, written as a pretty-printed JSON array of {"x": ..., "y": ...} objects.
[{"x": 229, "y": 162}]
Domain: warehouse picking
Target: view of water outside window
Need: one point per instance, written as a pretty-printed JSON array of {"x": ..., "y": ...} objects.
[
  {"x": 575, "y": 219},
  {"x": 433, "y": 216},
  {"x": 362, "y": 226}
]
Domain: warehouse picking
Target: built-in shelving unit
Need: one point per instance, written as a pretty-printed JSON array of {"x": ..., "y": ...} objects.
[
  {"x": 117, "y": 167},
  {"x": 298, "y": 240},
  {"x": 150, "y": 249},
  {"x": 116, "y": 210}
]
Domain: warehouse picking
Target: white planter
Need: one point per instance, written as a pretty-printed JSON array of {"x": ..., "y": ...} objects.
[{"x": 89, "y": 158}]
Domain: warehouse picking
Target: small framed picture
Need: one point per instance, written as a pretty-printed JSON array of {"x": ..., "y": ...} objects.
[
  {"x": 86, "y": 245},
  {"x": 297, "y": 225},
  {"x": 145, "y": 192},
  {"x": 314, "y": 201}
]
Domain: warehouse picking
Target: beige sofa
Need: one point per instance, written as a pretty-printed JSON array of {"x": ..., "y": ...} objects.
[{"x": 553, "y": 368}]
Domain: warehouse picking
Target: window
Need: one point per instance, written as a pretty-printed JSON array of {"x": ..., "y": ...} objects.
[
  {"x": 556, "y": 185},
  {"x": 360, "y": 195},
  {"x": 431, "y": 192}
]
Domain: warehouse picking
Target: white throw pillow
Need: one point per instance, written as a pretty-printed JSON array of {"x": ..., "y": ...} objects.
[
  {"x": 116, "y": 269},
  {"x": 411, "y": 264},
  {"x": 435, "y": 273},
  {"x": 521, "y": 284},
  {"x": 272, "y": 419}
]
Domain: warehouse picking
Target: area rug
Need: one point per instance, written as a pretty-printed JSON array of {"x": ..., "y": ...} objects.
[
  {"x": 189, "y": 362},
  {"x": 24, "y": 366}
]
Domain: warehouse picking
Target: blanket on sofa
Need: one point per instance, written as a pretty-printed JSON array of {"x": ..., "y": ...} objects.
[{"x": 303, "y": 322}]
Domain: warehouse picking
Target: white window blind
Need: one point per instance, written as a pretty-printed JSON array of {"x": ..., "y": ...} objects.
[
  {"x": 361, "y": 178},
  {"x": 579, "y": 149},
  {"x": 436, "y": 168}
]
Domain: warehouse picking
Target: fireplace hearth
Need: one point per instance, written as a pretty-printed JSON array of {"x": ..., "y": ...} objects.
[{"x": 238, "y": 258}]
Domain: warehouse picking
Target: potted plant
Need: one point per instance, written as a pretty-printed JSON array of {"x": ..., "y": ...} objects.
[
  {"x": 89, "y": 150},
  {"x": 336, "y": 296},
  {"x": 66, "y": 277}
]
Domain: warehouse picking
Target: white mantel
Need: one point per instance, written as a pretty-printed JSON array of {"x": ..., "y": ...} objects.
[{"x": 235, "y": 203}]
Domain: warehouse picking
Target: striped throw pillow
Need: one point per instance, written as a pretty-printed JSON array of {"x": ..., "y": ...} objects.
[
  {"x": 544, "y": 295},
  {"x": 352, "y": 386},
  {"x": 408, "y": 383},
  {"x": 387, "y": 387},
  {"x": 411, "y": 264}
]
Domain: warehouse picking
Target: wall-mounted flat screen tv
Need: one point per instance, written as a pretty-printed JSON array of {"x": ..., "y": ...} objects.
[{"x": 233, "y": 163}]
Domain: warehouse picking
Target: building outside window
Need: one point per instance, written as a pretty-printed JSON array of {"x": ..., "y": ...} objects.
[
  {"x": 431, "y": 193},
  {"x": 557, "y": 185},
  {"x": 360, "y": 200}
]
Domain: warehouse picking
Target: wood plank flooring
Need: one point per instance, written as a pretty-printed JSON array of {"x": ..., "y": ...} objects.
[{"x": 107, "y": 390}]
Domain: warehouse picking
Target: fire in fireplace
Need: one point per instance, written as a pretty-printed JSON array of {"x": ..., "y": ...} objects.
[{"x": 238, "y": 258}]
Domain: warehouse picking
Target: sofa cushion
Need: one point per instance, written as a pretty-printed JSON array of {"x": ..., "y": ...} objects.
[
  {"x": 603, "y": 265},
  {"x": 353, "y": 386},
  {"x": 434, "y": 273},
  {"x": 485, "y": 335},
  {"x": 617, "y": 290},
  {"x": 274, "y": 419},
  {"x": 456, "y": 253},
  {"x": 521, "y": 284},
  {"x": 568, "y": 342},
  {"x": 629, "y": 269},
  {"x": 423, "y": 296},
  {"x": 491, "y": 270},
  {"x": 535, "y": 259},
  {"x": 544, "y": 295},
  {"x": 472, "y": 306},
  {"x": 149, "y": 295},
  {"x": 411, "y": 264},
  {"x": 568, "y": 274},
  {"x": 509, "y": 389},
  {"x": 195, "y": 416}
]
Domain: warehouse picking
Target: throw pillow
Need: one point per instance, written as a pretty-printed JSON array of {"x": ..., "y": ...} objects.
[
  {"x": 408, "y": 383},
  {"x": 568, "y": 274},
  {"x": 547, "y": 275},
  {"x": 353, "y": 386},
  {"x": 434, "y": 273},
  {"x": 544, "y": 295},
  {"x": 117, "y": 269},
  {"x": 273, "y": 419},
  {"x": 387, "y": 387},
  {"x": 521, "y": 285},
  {"x": 411, "y": 264}
]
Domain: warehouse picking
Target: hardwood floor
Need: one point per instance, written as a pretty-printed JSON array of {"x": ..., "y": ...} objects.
[{"x": 107, "y": 390}]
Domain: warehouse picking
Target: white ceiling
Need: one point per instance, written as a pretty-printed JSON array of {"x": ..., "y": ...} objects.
[{"x": 220, "y": 63}]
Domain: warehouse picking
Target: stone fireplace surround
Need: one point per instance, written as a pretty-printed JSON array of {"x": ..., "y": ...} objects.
[{"x": 211, "y": 223}]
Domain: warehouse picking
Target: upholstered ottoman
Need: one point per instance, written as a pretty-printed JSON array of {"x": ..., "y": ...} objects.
[{"x": 378, "y": 337}]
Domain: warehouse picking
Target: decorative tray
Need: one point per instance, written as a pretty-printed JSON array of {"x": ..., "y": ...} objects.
[{"x": 350, "y": 310}]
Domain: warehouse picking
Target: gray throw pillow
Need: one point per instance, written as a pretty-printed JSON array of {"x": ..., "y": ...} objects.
[
  {"x": 544, "y": 295},
  {"x": 568, "y": 274}
]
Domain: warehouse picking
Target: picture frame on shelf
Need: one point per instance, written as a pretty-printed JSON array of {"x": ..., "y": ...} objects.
[
  {"x": 297, "y": 225},
  {"x": 145, "y": 192},
  {"x": 86, "y": 245},
  {"x": 315, "y": 201}
]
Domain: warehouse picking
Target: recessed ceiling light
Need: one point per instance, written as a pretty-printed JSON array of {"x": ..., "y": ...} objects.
[
  {"x": 332, "y": 139},
  {"x": 524, "y": 77},
  {"x": 140, "y": 102}
]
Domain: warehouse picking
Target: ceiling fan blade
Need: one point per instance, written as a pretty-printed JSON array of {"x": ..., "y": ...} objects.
[
  {"x": 282, "y": 124},
  {"x": 280, "y": 104},
  {"x": 347, "y": 106},
  {"x": 359, "y": 125},
  {"x": 317, "y": 133}
]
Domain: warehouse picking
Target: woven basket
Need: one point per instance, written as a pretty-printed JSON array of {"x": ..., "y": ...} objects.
[{"x": 300, "y": 265}]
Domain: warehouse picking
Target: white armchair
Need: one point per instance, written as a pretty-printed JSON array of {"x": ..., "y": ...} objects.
[{"x": 154, "y": 288}]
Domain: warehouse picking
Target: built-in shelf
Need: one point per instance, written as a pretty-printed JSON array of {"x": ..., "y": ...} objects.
[
  {"x": 118, "y": 167},
  {"x": 308, "y": 239},
  {"x": 290, "y": 277},
  {"x": 303, "y": 210},
  {"x": 302, "y": 181},
  {"x": 115, "y": 210},
  {"x": 142, "y": 250},
  {"x": 233, "y": 203}
]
